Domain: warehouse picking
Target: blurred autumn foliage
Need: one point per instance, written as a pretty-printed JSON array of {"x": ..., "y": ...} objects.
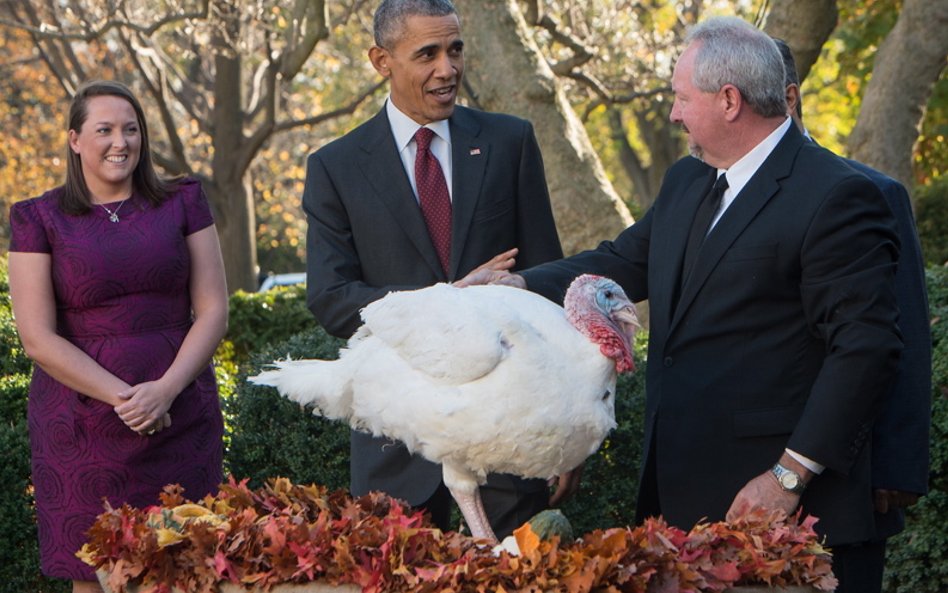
[
  {"x": 31, "y": 125},
  {"x": 613, "y": 59}
]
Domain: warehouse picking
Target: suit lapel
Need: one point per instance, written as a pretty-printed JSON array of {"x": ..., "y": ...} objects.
[
  {"x": 469, "y": 155},
  {"x": 672, "y": 242},
  {"x": 761, "y": 188},
  {"x": 382, "y": 166}
]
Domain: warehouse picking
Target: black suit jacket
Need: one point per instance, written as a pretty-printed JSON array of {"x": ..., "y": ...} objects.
[
  {"x": 367, "y": 237},
  {"x": 785, "y": 334}
]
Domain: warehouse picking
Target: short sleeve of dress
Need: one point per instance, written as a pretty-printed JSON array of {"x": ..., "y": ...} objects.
[
  {"x": 197, "y": 210},
  {"x": 27, "y": 231}
]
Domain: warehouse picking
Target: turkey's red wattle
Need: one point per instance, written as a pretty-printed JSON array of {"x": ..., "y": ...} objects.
[{"x": 611, "y": 342}]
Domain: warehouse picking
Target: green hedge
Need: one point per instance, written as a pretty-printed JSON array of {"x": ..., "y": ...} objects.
[
  {"x": 917, "y": 559},
  {"x": 272, "y": 436},
  {"x": 931, "y": 215}
]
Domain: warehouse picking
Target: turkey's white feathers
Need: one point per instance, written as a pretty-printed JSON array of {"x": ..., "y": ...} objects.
[
  {"x": 482, "y": 379},
  {"x": 450, "y": 312}
]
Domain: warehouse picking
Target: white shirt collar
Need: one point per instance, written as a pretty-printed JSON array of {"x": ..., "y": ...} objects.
[
  {"x": 404, "y": 127},
  {"x": 740, "y": 173},
  {"x": 403, "y": 130}
]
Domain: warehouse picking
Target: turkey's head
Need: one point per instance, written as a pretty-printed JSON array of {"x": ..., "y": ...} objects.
[{"x": 600, "y": 310}]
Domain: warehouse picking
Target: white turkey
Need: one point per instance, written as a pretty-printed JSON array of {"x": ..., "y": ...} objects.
[{"x": 481, "y": 379}]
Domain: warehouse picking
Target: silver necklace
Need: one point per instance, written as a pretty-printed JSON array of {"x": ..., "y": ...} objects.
[{"x": 113, "y": 214}]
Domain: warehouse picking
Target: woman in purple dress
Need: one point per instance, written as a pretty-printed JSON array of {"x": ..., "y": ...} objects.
[{"x": 119, "y": 296}]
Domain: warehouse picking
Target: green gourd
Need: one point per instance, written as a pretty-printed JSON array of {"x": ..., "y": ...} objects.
[{"x": 552, "y": 522}]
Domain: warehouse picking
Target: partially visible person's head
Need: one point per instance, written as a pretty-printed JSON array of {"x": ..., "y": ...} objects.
[
  {"x": 108, "y": 142},
  {"x": 791, "y": 82},
  {"x": 729, "y": 72},
  {"x": 418, "y": 47}
]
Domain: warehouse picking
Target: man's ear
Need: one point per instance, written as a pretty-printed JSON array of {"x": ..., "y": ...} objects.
[
  {"x": 793, "y": 98},
  {"x": 731, "y": 101},
  {"x": 380, "y": 58}
]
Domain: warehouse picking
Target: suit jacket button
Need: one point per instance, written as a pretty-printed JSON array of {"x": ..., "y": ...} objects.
[{"x": 668, "y": 361}]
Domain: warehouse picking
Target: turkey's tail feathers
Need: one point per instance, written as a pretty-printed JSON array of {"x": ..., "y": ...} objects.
[{"x": 313, "y": 383}]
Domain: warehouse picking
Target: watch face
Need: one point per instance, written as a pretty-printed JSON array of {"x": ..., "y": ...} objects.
[{"x": 789, "y": 480}]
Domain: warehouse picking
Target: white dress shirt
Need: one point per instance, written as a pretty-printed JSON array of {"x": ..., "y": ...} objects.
[{"x": 404, "y": 128}]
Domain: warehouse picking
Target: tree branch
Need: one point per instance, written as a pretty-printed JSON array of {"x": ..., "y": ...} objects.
[
  {"x": 178, "y": 161},
  {"x": 42, "y": 30},
  {"x": 309, "y": 27},
  {"x": 581, "y": 53},
  {"x": 348, "y": 109}
]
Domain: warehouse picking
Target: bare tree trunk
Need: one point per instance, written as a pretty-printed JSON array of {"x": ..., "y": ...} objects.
[
  {"x": 506, "y": 72},
  {"x": 229, "y": 191},
  {"x": 908, "y": 63},
  {"x": 633, "y": 166},
  {"x": 232, "y": 203},
  {"x": 805, "y": 25}
]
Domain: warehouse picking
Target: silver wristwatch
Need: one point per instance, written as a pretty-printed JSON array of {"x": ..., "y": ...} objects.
[{"x": 788, "y": 479}]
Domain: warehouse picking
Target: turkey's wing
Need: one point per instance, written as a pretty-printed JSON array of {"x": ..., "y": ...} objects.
[{"x": 452, "y": 334}]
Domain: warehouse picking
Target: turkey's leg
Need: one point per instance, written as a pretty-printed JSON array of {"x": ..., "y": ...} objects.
[
  {"x": 468, "y": 496},
  {"x": 473, "y": 510}
]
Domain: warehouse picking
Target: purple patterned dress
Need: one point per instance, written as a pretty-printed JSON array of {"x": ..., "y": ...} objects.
[{"x": 122, "y": 297}]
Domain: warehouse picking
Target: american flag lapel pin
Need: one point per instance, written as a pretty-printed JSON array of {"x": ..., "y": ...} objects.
[{"x": 475, "y": 151}]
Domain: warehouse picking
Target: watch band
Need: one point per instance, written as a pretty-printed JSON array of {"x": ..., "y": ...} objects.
[{"x": 788, "y": 479}]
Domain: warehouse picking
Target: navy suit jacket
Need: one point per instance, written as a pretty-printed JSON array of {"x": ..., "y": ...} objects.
[
  {"x": 784, "y": 335},
  {"x": 367, "y": 237},
  {"x": 900, "y": 437}
]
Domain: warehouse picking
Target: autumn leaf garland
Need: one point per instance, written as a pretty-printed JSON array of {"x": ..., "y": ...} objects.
[{"x": 286, "y": 533}]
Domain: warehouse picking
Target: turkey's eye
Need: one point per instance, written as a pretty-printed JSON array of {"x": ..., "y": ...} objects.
[{"x": 608, "y": 294}]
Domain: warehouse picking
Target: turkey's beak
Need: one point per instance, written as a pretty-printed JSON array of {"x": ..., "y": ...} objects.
[{"x": 627, "y": 320}]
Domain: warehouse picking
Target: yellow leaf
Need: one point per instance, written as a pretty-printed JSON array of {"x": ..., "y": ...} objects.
[
  {"x": 168, "y": 537},
  {"x": 86, "y": 555}
]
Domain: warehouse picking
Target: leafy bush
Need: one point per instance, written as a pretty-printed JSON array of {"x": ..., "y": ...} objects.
[
  {"x": 917, "y": 559},
  {"x": 259, "y": 319},
  {"x": 256, "y": 321},
  {"x": 931, "y": 214},
  {"x": 19, "y": 553},
  {"x": 270, "y": 436}
]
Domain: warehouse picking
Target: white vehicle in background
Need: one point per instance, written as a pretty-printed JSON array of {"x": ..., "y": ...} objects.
[{"x": 273, "y": 280}]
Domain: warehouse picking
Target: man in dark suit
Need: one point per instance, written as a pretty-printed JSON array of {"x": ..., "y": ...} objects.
[
  {"x": 900, "y": 451},
  {"x": 773, "y": 332},
  {"x": 368, "y": 232}
]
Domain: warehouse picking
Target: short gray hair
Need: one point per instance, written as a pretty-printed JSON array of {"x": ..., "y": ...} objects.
[
  {"x": 391, "y": 14},
  {"x": 732, "y": 51}
]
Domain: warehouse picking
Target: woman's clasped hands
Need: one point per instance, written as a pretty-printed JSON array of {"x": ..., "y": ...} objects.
[{"x": 145, "y": 409}]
